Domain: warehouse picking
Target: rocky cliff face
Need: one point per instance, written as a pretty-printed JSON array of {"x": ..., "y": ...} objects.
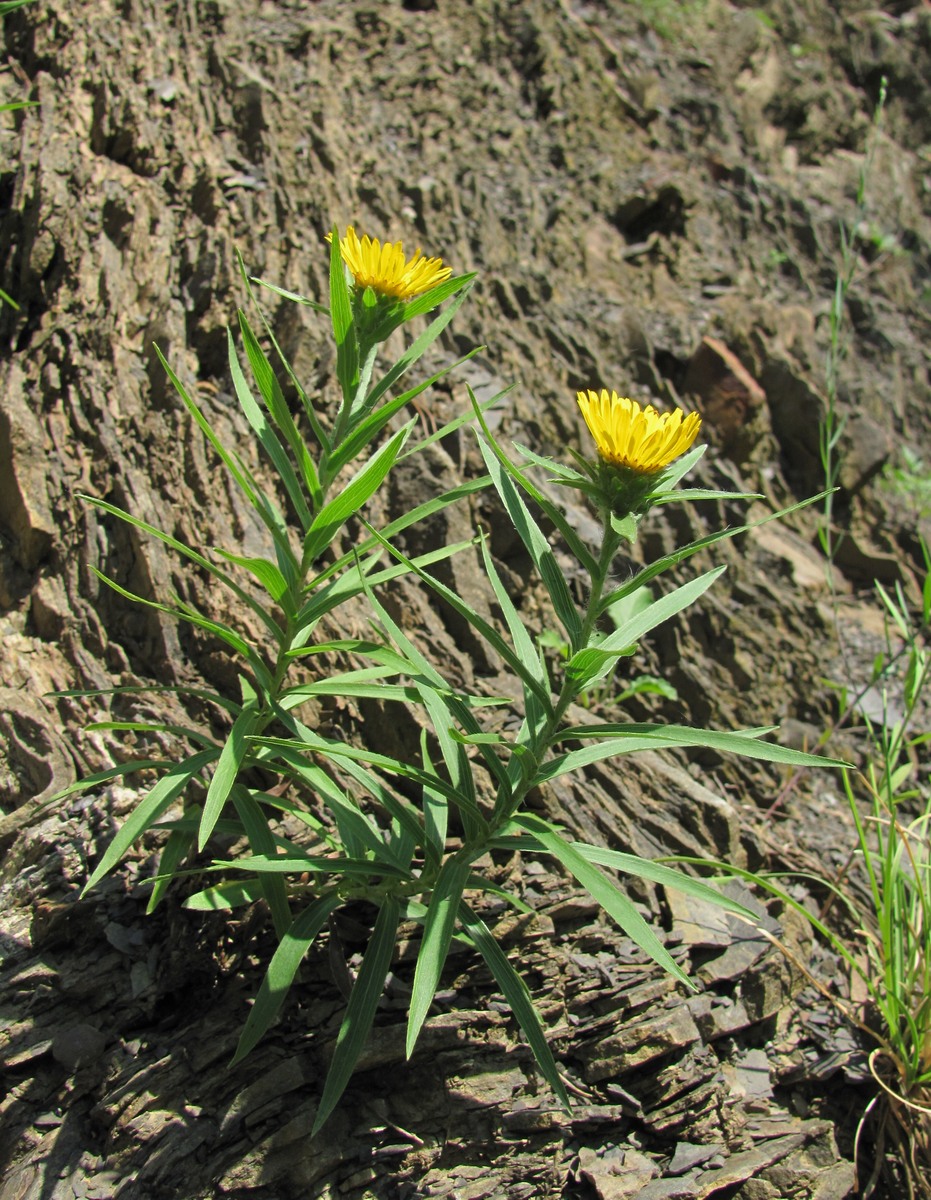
[{"x": 652, "y": 196}]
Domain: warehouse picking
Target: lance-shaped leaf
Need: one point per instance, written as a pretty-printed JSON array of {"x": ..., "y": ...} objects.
[
  {"x": 518, "y": 997},
  {"x": 192, "y": 555},
  {"x": 266, "y": 510},
  {"x": 531, "y": 674},
  {"x": 264, "y": 431},
  {"x": 357, "y": 492},
  {"x": 281, "y": 971},
  {"x": 186, "y": 612},
  {"x": 437, "y": 934},
  {"x": 374, "y": 420},
  {"x": 280, "y": 413},
  {"x": 357, "y": 832},
  {"x": 553, "y": 512},
  {"x": 537, "y": 546},
  {"x": 147, "y": 812},
  {"x": 344, "y": 333},
  {"x": 669, "y": 560},
  {"x": 615, "y": 903},
  {"x": 230, "y": 764},
  {"x": 264, "y": 570},
  {"x": 360, "y": 1011},
  {"x": 418, "y": 347},
  {"x": 624, "y": 738},
  {"x": 262, "y": 842},
  {"x": 232, "y": 893},
  {"x": 313, "y": 420},
  {"x": 592, "y": 663}
]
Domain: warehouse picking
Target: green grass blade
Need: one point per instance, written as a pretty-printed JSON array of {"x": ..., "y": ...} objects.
[
  {"x": 517, "y": 995},
  {"x": 360, "y": 1012},
  {"x": 437, "y": 934},
  {"x": 281, "y": 971}
]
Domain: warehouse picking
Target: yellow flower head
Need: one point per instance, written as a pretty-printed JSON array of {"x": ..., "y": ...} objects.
[
  {"x": 383, "y": 269},
  {"x": 638, "y": 438}
]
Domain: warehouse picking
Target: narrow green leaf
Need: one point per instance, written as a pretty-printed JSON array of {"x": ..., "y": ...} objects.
[
  {"x": 266, "y": 435},
  {"x": 590, "y": 664},
  {"x": 234, "y": 464},
  {"x": 615, "y": 903},
  {"x": 231, "y": 760},
  {"x": 417, "y": 348},
  {"x": 263, "y": 864},
  {"x": 553, "y": 512},
  {"x": 318, "y": 431},
  {"x": 182, "y": 731},
  {"x": 192, "y": 556},
  {"x": 357, "y": 833},
  {"x": 530, "y": 677},
  {"x": 186, "y": 613},
  {"x": 262, "y": 842},
  {"x": 360, "y": 1012},
  {"x": 670, "y": 560},
  {"x": 624, "y": 738},
  {"x": 517, "y": 995},
  {"x": 173, "y": 854},
  {"x": 437, "y": 934},
  {"x": 277, "y": 406},
  {"x": 234, "y": 893},
  {"x": 667, "y": 877},
  {"x": 160, "y": 797},
  {"x": 705, "y": 494},
  {"x": 286, "y": 295},
  {"x": 265, "y": 571},
  {"x": 347, "y": 349},
  {"x": 435, "y": 808},
  {"x": 281, "y": 971},
  {"x": 428, "y": 301},
  {"x": 537, "y": 546},
  {"x": 227, "y": 705},
  {"x": 357, "y": 492},
  {"x": 105, "y": 776}
]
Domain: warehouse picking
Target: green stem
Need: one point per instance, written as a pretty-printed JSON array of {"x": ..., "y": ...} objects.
[{"x": 543, "y": 741}]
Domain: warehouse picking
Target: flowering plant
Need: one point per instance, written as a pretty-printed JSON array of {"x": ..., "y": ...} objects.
[{"x": 377, "y": 827}]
